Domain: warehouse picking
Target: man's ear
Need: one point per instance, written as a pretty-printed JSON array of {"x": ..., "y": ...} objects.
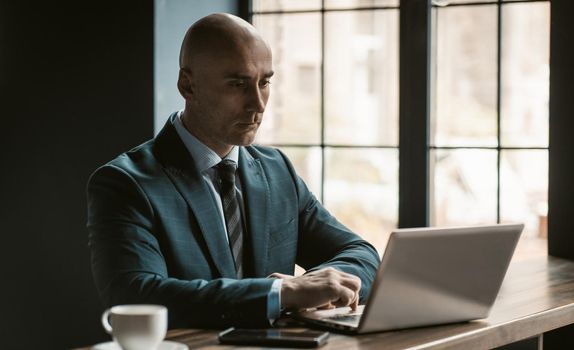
[{"x": 184, "y": 84}]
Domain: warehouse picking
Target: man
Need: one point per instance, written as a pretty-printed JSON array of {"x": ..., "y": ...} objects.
[{"x": 173, "y": 222}]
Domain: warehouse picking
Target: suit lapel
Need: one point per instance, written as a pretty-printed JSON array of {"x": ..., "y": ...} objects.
[
  {"x": 256, "y": 192},
  {"x": 190, "y": 184}
]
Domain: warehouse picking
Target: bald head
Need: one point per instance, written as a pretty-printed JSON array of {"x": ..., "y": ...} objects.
[
  {"x": 224, "y": 77},
  {"x": 216, "y": 34}
]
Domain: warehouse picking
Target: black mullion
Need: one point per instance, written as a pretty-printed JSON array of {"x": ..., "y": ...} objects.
[
  {"x": 433, "y": 66},
  {"x": 498, "y": 104},
  {"x": 245, "y": 10},
  {"x": 245, "y": 7},
  {"x": 323, "y": 162},
  {"x": 493, "y": 148},
  {"x": 350, "y": 9},
  {"x": 414, "y": 110},
  {"x": 504, "y": 2},
  {"x": 309, "y": 145},
  {"x": 493, "y": 2},
  {"x": 288, "y": 12}
]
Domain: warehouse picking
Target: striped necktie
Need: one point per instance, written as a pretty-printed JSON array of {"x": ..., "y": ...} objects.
[{"x": 226, "y": 170}]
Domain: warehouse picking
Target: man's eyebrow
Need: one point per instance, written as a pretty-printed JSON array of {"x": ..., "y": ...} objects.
[{"x": 246, "y": 76}]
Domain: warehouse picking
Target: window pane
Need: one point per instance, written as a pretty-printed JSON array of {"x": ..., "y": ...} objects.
[
  {"x": 359, "y": 3},
  {"x": 307, "y": 163},
  {"x": 361, "y": 190},
  {"x": 463, "y": 187},
  {"x": 361, "y": 77},
  {"x": 448, "y": 2},
  {"x": 293, "y": 112},
  {"x": 285, "y": 5},
  {"x": 525, "y": 74},
  {"x": 464, "y": 113},
  {"x": 524, "y": 189}
]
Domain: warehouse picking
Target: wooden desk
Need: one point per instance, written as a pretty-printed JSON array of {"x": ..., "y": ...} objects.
[{"x": 537, "y": 296}]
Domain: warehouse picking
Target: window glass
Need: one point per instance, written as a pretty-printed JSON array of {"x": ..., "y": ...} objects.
[
  {"x": 361, "y": 77},
  {"x": 465, "y": 109},
  {"x": 293, "y": 113},
  {"x": 525, "y": 74},
  {"x": 360, "y": 95},
  {"x": 338, "y": 4},
  {"x": 452, "y": 2},
  {"x": 455, "y": 2},
  {"x": 361, "y": 190},
  {"x": 285, "y": 5},
  {"x": 471, "y": 183},
  {"x": 464, "y": 187},
  {"x": 524, "y": 189},
  {"x": 307, "y": 164}
]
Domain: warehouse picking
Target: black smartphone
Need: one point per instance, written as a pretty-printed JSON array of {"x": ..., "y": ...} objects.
[{"x": 274, "y": 337}]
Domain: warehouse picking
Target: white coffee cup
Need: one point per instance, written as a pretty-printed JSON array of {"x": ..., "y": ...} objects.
[{"x": 136, "y": 327}]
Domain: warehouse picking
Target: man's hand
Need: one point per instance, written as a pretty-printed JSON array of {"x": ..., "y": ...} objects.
[{"x": 324, "y": 288}]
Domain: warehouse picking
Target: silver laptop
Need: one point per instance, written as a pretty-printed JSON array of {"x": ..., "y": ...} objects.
[{"x": 430, "y": 276}]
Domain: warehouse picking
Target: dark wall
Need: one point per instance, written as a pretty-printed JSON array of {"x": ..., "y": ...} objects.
[
  {"x": 76, "y": 89},
  {"x": 561, "y": 160}
]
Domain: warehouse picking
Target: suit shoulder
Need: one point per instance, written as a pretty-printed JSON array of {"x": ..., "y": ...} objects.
[
  {"x": 272, "y": 159},
  {"x": 265, "y": 153},
  {"x": 137, "y": 162}
]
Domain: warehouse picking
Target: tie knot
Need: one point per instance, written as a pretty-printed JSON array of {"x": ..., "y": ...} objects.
[{"x": 226, "y": 169}]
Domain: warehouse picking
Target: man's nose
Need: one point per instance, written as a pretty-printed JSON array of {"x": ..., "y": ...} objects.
[{"x": 256, "y": 101}]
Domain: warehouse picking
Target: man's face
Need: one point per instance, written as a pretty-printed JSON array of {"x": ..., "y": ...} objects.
[{"x": 230, "y": 92}]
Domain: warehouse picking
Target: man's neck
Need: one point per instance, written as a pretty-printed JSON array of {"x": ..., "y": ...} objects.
[{"x": 222, "y": 150}]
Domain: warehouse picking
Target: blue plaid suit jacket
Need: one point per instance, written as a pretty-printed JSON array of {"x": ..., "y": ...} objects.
[{"x": 155, "y": 234}]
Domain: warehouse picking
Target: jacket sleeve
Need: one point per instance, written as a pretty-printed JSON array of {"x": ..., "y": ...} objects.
[
  {"x": 325, "y": 242},
  {"x": 128, "y": 265}
]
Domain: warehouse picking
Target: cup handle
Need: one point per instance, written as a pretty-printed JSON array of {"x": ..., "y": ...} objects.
[{"x": 106, "y": 321}]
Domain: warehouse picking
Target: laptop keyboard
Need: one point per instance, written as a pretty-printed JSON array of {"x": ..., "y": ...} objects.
[{"x": 345, "y": 317}]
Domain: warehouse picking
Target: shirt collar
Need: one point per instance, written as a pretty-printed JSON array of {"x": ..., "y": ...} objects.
[{"x": 203, "y": 157}]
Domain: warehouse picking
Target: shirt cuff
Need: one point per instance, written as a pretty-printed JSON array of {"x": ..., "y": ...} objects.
[{"x": 274, "y": 301}]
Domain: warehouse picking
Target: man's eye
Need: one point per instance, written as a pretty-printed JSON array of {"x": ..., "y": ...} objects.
[
  {"x": 265, "y": 83},
  {"x": 238, "y": 83}
]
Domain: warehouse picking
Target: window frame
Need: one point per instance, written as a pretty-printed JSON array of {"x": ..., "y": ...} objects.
[{"x": 415, "y": 37}]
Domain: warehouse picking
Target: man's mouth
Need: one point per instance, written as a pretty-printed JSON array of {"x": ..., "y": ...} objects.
[{"x": 248, "y": 126}]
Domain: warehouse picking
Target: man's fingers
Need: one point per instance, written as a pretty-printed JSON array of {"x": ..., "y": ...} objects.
[
  {"x": 346, "y": 279},
  {"x": 344, "y": 288},
  {"x": 351, "y": 282},
  {"x": 355, "y": 302},
  {"x": 349, "y": 291},
  {"x": 326, "y": 306},
  {"x": 344, "y": 297},
  {"x": 355, "y": 285},
  {"x": 326, "y": 288}
]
